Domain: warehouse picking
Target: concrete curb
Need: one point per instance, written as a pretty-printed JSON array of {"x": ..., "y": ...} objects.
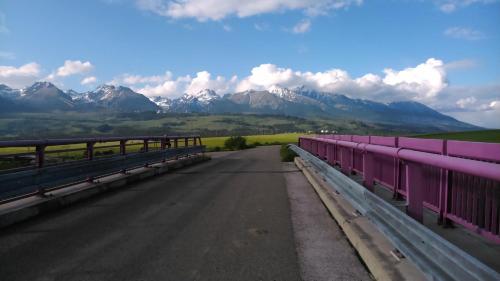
[
  {"x": 23, "y": 209},
  {"x": 375, "y": 249}
]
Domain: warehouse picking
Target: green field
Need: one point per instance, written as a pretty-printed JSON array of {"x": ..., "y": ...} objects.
[
  {"x": 80, "y": 124},
  {"x": 480, "y": 136},
  {"x": 213, "y": 142},
  {"x": 209, "y": 142},
  {"x": 101, "y": 149}
]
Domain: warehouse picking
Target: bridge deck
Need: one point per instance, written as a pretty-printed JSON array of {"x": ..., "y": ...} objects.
[{"x": 228, "y": 219}]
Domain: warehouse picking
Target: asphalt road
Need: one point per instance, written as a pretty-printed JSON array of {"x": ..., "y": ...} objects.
[{"x": 226, "y": 219}]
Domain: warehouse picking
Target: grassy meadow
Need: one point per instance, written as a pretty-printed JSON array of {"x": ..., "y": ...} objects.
[{"x": 479, "y": 136}]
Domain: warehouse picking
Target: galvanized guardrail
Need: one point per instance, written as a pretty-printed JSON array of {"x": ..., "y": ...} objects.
[
  {"x": 43, "y": 176},
  {"x": 436, "y": 257}
]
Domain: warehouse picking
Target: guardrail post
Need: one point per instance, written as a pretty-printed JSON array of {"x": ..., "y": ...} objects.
[
  {"x": 194, "y": 141},
  {"x": 40, "y": 156},
  {"x": 176, "y": 143},
  {"x": 415, "y": 180},
  {"x": 186, "y": 142},
  {"x": 199, "y": 138},
  {"x": 90, "y": 150},
  {"x": 368, "y": 170},
  {"x": 163, "y": 144},
  {"x": 123, "y": 147},
  {"x": 146, "y": 145}
]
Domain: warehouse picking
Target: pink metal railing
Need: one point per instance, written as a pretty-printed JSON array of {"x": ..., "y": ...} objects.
[{"x": 458, "y": 180}]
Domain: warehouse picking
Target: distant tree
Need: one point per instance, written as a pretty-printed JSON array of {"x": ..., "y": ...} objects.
[
  {"x": 104, "y": 128},
  {"x": 235, "y": 143}
]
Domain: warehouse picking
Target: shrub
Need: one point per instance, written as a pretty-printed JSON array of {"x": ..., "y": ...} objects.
[
  {"x": 287, "y": 155},
  {"x": 217, "y": 148},
  {"x": 235, "y": 143}
]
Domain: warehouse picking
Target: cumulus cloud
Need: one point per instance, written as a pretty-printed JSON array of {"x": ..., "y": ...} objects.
[
  {"x": 422, "y": 82},
  {"x": 89, "y": 80},
  {"x": 73, "y": 67},
  {"x": 18, "y": 77},
  {"x": 426, "y": 82},
  {"x": 203, "y": 10},
  {"x": 203, "y": 80},
  {"x": 426, "y": 79},
  {"x": 464, "y": 33},
  {"x": 167, "y": 86},
  {"x": 302, "y": 27}
]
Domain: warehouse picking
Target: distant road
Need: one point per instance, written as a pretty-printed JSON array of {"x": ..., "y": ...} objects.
[{"x": 227, "y": 219}]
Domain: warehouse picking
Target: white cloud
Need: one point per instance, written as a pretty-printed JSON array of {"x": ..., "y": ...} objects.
[
  {"x": 449, "y": 6},
  {"x": 73, "y": 67},
  {"x": 203, "y": 10},
  {"x": 227, "y": 28},
  {"x": 165, "y": 89},
  {"x": 203, "y": 80},
  {"x": 302, "y": 27},
  {"x": 466, "y": 102},
  {"x": 18, "y": 77},
  {"x": 89, "y": 80},
  {"x": 464, "y": 33},
  {"x": 422, "y": 82},
  {"x": 426, "y": 82},
  {"x": 170, "y": 87},
  {"x": 488, "y": 115},
  {"x": 426, "y": 79}
]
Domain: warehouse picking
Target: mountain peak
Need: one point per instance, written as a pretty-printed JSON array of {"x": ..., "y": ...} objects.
[
  {"x": 203, "y": 96},
  {"x": 283, "y": 92},
  {"x": 40, "y": 85}
]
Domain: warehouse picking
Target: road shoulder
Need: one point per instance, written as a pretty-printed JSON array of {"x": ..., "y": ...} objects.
[{"x": 323, "y": 250}]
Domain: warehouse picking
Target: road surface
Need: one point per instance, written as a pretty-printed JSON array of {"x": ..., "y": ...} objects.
[{"x": 226, "y": 219}]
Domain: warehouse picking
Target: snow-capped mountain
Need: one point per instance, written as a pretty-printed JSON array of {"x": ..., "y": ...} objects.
[
  {"x": 118, "y": 98},
  {"x": 204, "y": 96},
  {"x": 164, "y": 103},
  {"x": 46, "y": 96},
  {"x": 284, "y": 93},
  {"x": 301, "y": 102},
  {"x": 9, "y": 93}
]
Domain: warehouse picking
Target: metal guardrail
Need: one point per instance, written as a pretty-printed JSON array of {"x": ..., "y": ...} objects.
[
  {"x": 436, "y": 257},
  {"x": 24, "y": 181},
  {"x": 458, "y": 180}
]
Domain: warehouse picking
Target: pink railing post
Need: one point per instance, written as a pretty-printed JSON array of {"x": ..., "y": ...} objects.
[
  {"x": 368, "y": 170},
  {"x": 415, "y": 181},
  {"x": 458, "y": 180}
]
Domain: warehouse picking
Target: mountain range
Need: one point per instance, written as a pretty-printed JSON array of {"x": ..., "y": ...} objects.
[{"x": 301, "y": 102}]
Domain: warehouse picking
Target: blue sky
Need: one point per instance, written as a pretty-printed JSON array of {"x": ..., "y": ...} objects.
[{"x": 167, "y": 48}]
